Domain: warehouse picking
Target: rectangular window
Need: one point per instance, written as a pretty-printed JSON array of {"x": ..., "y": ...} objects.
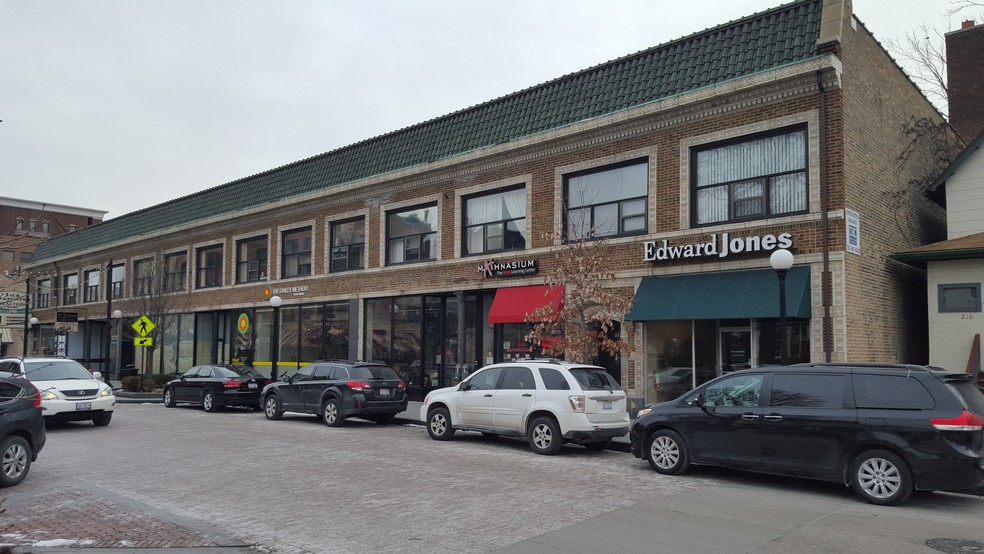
[
  {"x": 91, "y": 293},
  {"x": 348, "y": 245},
  {"x": 25, "y": 257},
  {"x": 116, "y": 280},
  {"x": 296, "y": 253},
  {"x": 411, "y": 235},
  {"x": 495, "y": 222},
  {"x": 42, "y": 298},
  {"x": 7, "y": 256},
  {"x": 70, "y": 289},
  {"x": 609, "y": 202},
  {"x": 754, "y": 178},
  {"x": 175, "y": 271},
  {"x": 209, "y": 267},
  {"x": 808, "y": 390},
  {"x": 143, "y": 271},
  {"x": 960, "y": 297},
  {"x": 251, "y": 260}
]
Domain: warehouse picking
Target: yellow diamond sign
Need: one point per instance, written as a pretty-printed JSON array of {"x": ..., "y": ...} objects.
[{"x": 143, "y": 326}]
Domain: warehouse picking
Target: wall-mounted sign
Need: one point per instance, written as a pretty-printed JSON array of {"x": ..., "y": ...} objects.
[
  {"x": 492, "y": 268},
  {"x": 719, "y": 246},
  {"x": 296, "y": 291},
  {"x": 853, "y": 221}
]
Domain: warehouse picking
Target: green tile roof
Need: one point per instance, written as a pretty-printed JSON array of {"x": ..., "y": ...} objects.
[{"x": 773, "y": 38}]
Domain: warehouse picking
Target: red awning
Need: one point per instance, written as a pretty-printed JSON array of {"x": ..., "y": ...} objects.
[{"x": 512, "y": 305}]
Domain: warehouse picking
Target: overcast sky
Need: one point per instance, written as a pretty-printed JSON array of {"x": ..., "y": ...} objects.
[{"x": 118, "y": 105}]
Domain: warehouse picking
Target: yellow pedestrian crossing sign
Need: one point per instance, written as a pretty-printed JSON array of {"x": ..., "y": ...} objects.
[
  {"x": 143, "y": 326},
  {"x": 143, "y": 341}
]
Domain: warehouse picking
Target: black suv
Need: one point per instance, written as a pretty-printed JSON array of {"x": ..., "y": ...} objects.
[
  {"x": 21, "y": 427},
  {"x": 885, "y": 430},
  {"x": 335, "y": 390}
]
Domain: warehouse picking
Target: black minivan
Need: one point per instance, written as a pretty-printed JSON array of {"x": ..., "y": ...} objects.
[{"x": 885, "y": 430}]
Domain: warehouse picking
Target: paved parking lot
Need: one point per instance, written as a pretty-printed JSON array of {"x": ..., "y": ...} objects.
[{"x": 183, "y": 478}]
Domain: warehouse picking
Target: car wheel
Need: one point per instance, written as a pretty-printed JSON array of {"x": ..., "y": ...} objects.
[
  {"x": 439, "y": 425},
  {"x": 667, "y": 452},
  {"x": 330, "y": 413},
  {"x": 169, "y": 398},
  {"x": 103, "y": 419},
  {"x": 544, "y": 436},
  {"x": 881, "y": 477},
  {"x": 16, "y": 461},
  {"x": 271, "y": 407},
  {"x": 598, "y": 446},
  {"x": 208, "y": 401}
]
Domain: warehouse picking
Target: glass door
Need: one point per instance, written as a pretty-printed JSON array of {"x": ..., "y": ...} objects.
[{"x": 735, "y": 349}]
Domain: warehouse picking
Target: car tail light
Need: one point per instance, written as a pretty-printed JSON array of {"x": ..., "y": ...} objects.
[
  {"x": 232, "y": 384},
  {"x": 966, "y": 421},
  {"x": 402, "y": 385},
  {"x": 358, "y": 386},
  {"x": 37, "y": 396},
  {"x": 577, "y": 403}
]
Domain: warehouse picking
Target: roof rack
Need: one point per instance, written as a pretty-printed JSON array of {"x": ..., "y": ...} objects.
[{"x": 867, "y": 365}]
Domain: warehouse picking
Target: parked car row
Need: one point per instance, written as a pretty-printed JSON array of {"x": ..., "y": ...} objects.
[{"x": 884, "y": 430}]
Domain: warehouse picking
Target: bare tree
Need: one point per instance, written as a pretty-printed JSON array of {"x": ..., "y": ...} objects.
[
  {"x": 923, "y": 52},
  {"x": 582, "y": 323},
  {"x": 157, "y": 294}
]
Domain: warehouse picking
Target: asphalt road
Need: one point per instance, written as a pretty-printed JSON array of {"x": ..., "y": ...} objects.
[{"x": 190, "y": 481}]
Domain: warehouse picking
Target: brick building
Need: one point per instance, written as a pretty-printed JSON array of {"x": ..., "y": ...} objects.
[
  {"x": 426, "y": 247},
  {"x": 23, "y": 225}
]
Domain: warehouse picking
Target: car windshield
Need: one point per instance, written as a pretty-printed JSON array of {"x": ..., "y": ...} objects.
[
  {"x": 233, "y": 371},
  {"x": 594, "y": 378},
  {"x": 371, "y": 372},
  {"x": 55, "y": 370}
]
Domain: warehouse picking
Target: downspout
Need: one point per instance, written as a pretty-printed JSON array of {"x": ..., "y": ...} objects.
[{"x": 825, "y": 285}]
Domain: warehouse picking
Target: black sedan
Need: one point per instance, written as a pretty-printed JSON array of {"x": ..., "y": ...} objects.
[{"x": 215, "y": 386}]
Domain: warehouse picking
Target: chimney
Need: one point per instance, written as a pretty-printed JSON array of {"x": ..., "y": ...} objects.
[{"x": 965, "y": 79}]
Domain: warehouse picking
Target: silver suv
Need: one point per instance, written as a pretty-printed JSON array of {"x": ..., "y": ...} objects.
[
  {"x": 549, "y": 402},
  {"x": 68, "y": 391}
]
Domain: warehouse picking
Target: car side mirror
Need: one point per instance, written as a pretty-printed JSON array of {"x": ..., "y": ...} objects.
[
  {"x": 464, "y": 386},
  {"x": 97, "y": 375},
  {"x": 699, "y": 401},
  {"x": 285, "y": 378}
]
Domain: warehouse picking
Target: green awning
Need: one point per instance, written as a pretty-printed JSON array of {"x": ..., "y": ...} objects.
[{"x": 745, "y": 294}]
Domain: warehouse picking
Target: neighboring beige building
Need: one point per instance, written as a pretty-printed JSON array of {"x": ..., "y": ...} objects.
[{"x": 427, "y": 246}]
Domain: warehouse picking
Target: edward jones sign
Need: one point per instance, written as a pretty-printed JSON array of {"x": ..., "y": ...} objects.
[{"x": 719, "y": 246}]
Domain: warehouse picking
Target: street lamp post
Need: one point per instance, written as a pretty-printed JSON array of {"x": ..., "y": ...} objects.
[
  {"x": 781, "y": 261},
  {"x": 117, "y": 317},
  {"x": 275, "y": 301},
  {"x": 27, "y": 309},
  {"x": 31, "y": 324}
]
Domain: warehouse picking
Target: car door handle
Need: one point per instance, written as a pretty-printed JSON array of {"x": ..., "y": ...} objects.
[
  {"x": 488, "y": 396},
  {"x": 773, "y": 418},
  {"x": 527, "y": 394},
  {"x": 749, "y": 417}
]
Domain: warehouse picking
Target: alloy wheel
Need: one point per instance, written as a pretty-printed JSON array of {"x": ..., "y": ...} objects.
[
  {"x": 665, "y": 452},
  {"x": 14, "y": 461},
  {"x": 879, "y": 478},
  {"x": 542, "y": 436}
]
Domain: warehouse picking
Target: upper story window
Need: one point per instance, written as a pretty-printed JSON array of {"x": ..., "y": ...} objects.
[
  {"x": 251, "y": 260},
  {"x": 209, "y": 267},
  {"x": 72, "y": 227},
  {"x": 33, "y": 225},
  {"x": 348, "y": 245},
  {"x": 91, "y": 291},
  {"x": 754, "y": 178},
  {"x": 42, "y": 298},
  {"x": 116, "y": 277},
  {"x": 607, "y": 202},
  {"x": 19, "y": 225},
  {"x": 143, "y": 273},
  {"x": 70, "y": 289},
  {"x": 495, "y": 222},
  {"x": 175, "y": 271},
  {"x": 296, "y": 253},
  {"x": 44, "y": 227},
  {"x": 411, "y": 235},
  {"x": 7, "y": 256}
]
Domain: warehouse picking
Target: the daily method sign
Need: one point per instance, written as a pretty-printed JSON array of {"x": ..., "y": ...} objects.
[{"x": 720, "y": 246}]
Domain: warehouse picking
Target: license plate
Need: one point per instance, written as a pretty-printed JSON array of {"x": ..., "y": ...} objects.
[
  {"x": 83, "y": 405},
  {"x": 384, "y": 392},
  {"x": 251, "y": 385},
  {"x": 606, "y": 404}
]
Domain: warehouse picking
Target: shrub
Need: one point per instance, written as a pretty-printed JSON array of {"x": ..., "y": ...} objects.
[
  {"x": 160, "y": 379},
  {"x": 132, "y": 384}
]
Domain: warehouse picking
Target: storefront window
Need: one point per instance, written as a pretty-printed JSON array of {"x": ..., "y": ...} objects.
[
  {"x": 287, "y": 361},
  {"x": 514, "y": 345},
  {"x": 797, "y": 342},
  {"x": 311, "y": 333},
  {"x": 205, "y": 338},
  {"x": 186, "y": 341},
  {"x": 263, "y": 329},
  {"x": 336, "y": 331}
]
